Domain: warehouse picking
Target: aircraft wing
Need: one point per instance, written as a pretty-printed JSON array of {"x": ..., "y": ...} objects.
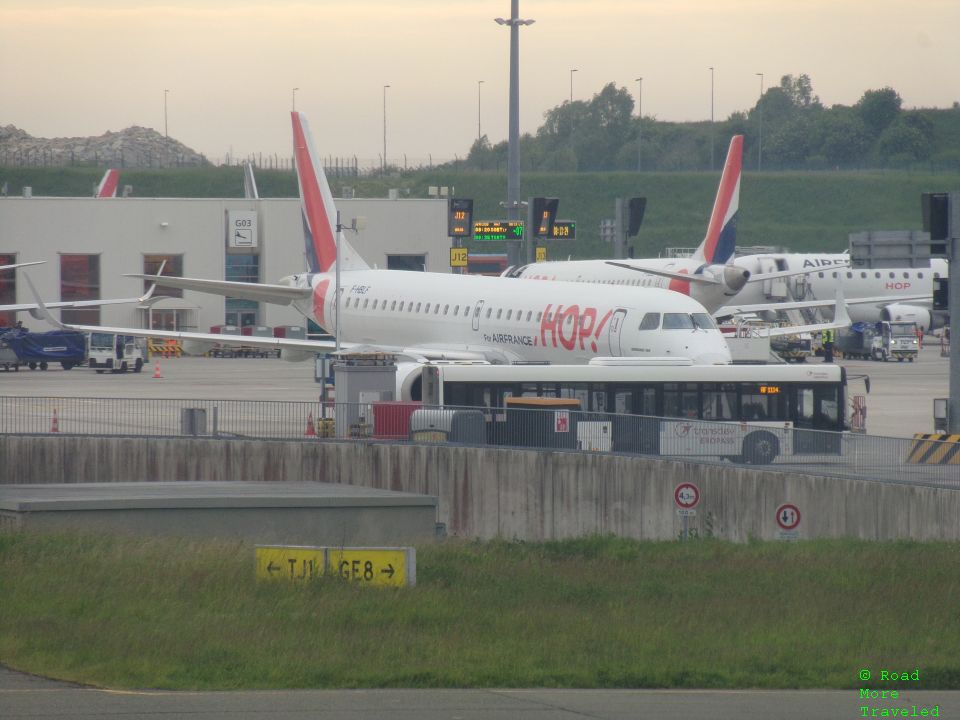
[
  {"x": 890, "y": 300},
  {"x": 18, "y": 265},
  {"x": 209, "y": 339},
  {"x": 38, "y": 309},
  {"x": 840, "y": 320},
  {"x": 202, "y": 341},
  {"x": 759, "y": 307},
  {"x": 261, "y": 292},
  {"x": 667, "y": 273}
]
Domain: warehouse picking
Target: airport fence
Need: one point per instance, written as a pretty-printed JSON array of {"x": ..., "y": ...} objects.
[{"x": 927, "y": 460}]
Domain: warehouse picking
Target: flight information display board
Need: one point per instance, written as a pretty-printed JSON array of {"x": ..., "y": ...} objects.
[{"x": 513, "y": 230}]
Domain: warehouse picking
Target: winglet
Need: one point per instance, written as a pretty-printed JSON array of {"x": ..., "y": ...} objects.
[
  {"x": 720, "y": 242},
  {"x": 41, "y": 312},
  {"x": 20, "y": 265},
  {"x": 153, "y": 286},
  {"x": 841, "y": 318}
]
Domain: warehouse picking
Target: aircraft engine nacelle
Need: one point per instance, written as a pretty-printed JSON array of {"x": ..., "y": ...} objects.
[
  {"x": 899, "y": 312},
  {"x": 296, "y": 355},
  {"x": 196, "y": 347},
  {"x": 409, "y": 381},
  {"x": 735, "y": 278}
]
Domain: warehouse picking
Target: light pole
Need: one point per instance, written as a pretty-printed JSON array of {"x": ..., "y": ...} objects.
[
  {"x": 479, "y": 134},
  {"x": 293, "y": 101},
  {"x": 639, "y": 119},
  {"x": 711, "y": 117},
  {"x": 760, "y": 112},
  {"x": 572, "y": 71},
  {"x": 513, "y": 137},
  {"x": 383, "y": 166},
  {"x": 165, "y": 133}
]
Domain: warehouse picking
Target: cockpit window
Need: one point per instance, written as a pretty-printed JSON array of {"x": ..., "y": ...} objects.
[
  {"x": 677, "y": 321},
  {"x": 703, "y": 321},
  {"x": 651, "y": 321}
]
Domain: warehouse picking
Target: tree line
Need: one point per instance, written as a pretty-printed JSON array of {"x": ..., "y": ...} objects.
[{"x": 798, "y": 133}]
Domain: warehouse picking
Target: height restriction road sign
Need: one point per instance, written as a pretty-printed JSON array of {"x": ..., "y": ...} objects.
[{"x": 687, "y": 496}]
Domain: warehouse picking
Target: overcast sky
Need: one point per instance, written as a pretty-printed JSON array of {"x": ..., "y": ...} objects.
[{"x": 85, "y": 67}]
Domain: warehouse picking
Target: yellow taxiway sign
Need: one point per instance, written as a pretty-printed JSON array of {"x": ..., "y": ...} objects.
[{"x": 380, "y": 566}]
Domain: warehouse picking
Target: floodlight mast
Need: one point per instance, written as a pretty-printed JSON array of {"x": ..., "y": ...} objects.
[
  {"x": 513, "y": 139},
  {"x": 340, "y": 228}
]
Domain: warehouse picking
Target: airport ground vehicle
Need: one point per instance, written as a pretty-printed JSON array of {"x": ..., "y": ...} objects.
[
  {"x": 793, "y": 348},
  {"x": 756, "y": 412},
  {"x": 113, "y": 352},
  {"x": 857, "y": 341},
  {"x": 38, "y": 350},
  {"x": 896, "y": 340}
]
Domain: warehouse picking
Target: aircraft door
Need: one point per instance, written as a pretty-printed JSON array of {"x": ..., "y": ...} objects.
[
  {"x": 776, "y": 288},
  {"x": 476, "y": 315},
  {"x": 613, "y": 334}
]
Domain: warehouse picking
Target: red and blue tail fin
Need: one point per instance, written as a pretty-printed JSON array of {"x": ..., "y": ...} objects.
[
  {"x": 720, "y": 242},
  {"x": 316, "y": 204},
  {"x": 108, "y": 185}
]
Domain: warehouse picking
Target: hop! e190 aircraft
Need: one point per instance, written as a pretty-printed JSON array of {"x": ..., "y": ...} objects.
[{"x": 439, "y": 316}]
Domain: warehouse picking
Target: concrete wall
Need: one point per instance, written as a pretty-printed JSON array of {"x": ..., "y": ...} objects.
[{"x": 512, "y": 493}]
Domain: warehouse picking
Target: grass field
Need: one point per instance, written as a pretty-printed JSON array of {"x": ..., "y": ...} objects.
[
  {"x": 804, "y": 211},
  {"x": 599, "y": 612}
]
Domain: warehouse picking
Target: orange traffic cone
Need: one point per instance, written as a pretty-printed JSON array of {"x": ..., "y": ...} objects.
[
  {"x": 156, "y": 369},
  {"x": 311, "y": 430},
  {"x": 54, "y": 422}
]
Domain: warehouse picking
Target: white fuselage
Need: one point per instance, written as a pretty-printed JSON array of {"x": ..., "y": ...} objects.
[
  {"x": 711, "y": 296},
  {"x": 885, "y": 287},
  {"x": 505, "y": 320}
]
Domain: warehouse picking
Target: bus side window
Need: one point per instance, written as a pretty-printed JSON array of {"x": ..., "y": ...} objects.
[
  {"x": 719, "y": 402},
  {"x": 598, "y": 399},
  {"x": 680, "y": 400},
  {"x": 623, "y": 402},
  {"x": 805, "y": 408},
  {"x": 818, "y": 408}
]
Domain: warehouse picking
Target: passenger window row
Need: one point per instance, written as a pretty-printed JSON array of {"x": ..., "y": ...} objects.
[
  {"x": 877, "y": 275},
  {"x": 401, "y": 306}
]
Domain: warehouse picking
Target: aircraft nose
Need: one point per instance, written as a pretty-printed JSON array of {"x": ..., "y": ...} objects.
[
  {"x": 716, "y": 352},
  {"x": 735, "y": 277}
]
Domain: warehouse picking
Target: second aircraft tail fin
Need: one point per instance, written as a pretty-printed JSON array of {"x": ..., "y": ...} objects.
[
  {"x": 108, "y": 184},
  {"x": 720, "y": 241}
]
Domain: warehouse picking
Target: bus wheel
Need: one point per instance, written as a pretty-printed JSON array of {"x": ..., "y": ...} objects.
[
  {"x": 760, "y": 448},
  {"x": 138, "y": 366}
]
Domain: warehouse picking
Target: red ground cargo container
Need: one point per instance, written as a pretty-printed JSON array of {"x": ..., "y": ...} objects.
[{"x": 391, "y": 420}]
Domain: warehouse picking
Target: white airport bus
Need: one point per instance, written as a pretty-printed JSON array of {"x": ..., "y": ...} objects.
[{"x": 747, "y": 413}]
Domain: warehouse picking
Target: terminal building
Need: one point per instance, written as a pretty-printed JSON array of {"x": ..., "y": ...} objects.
[{"x": 89, "y": 245}]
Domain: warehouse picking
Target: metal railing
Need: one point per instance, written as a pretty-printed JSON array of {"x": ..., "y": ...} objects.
[{"x": 760, "y": 445}]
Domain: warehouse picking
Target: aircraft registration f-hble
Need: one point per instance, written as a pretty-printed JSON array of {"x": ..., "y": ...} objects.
[{"x": 439, "y": 316}]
